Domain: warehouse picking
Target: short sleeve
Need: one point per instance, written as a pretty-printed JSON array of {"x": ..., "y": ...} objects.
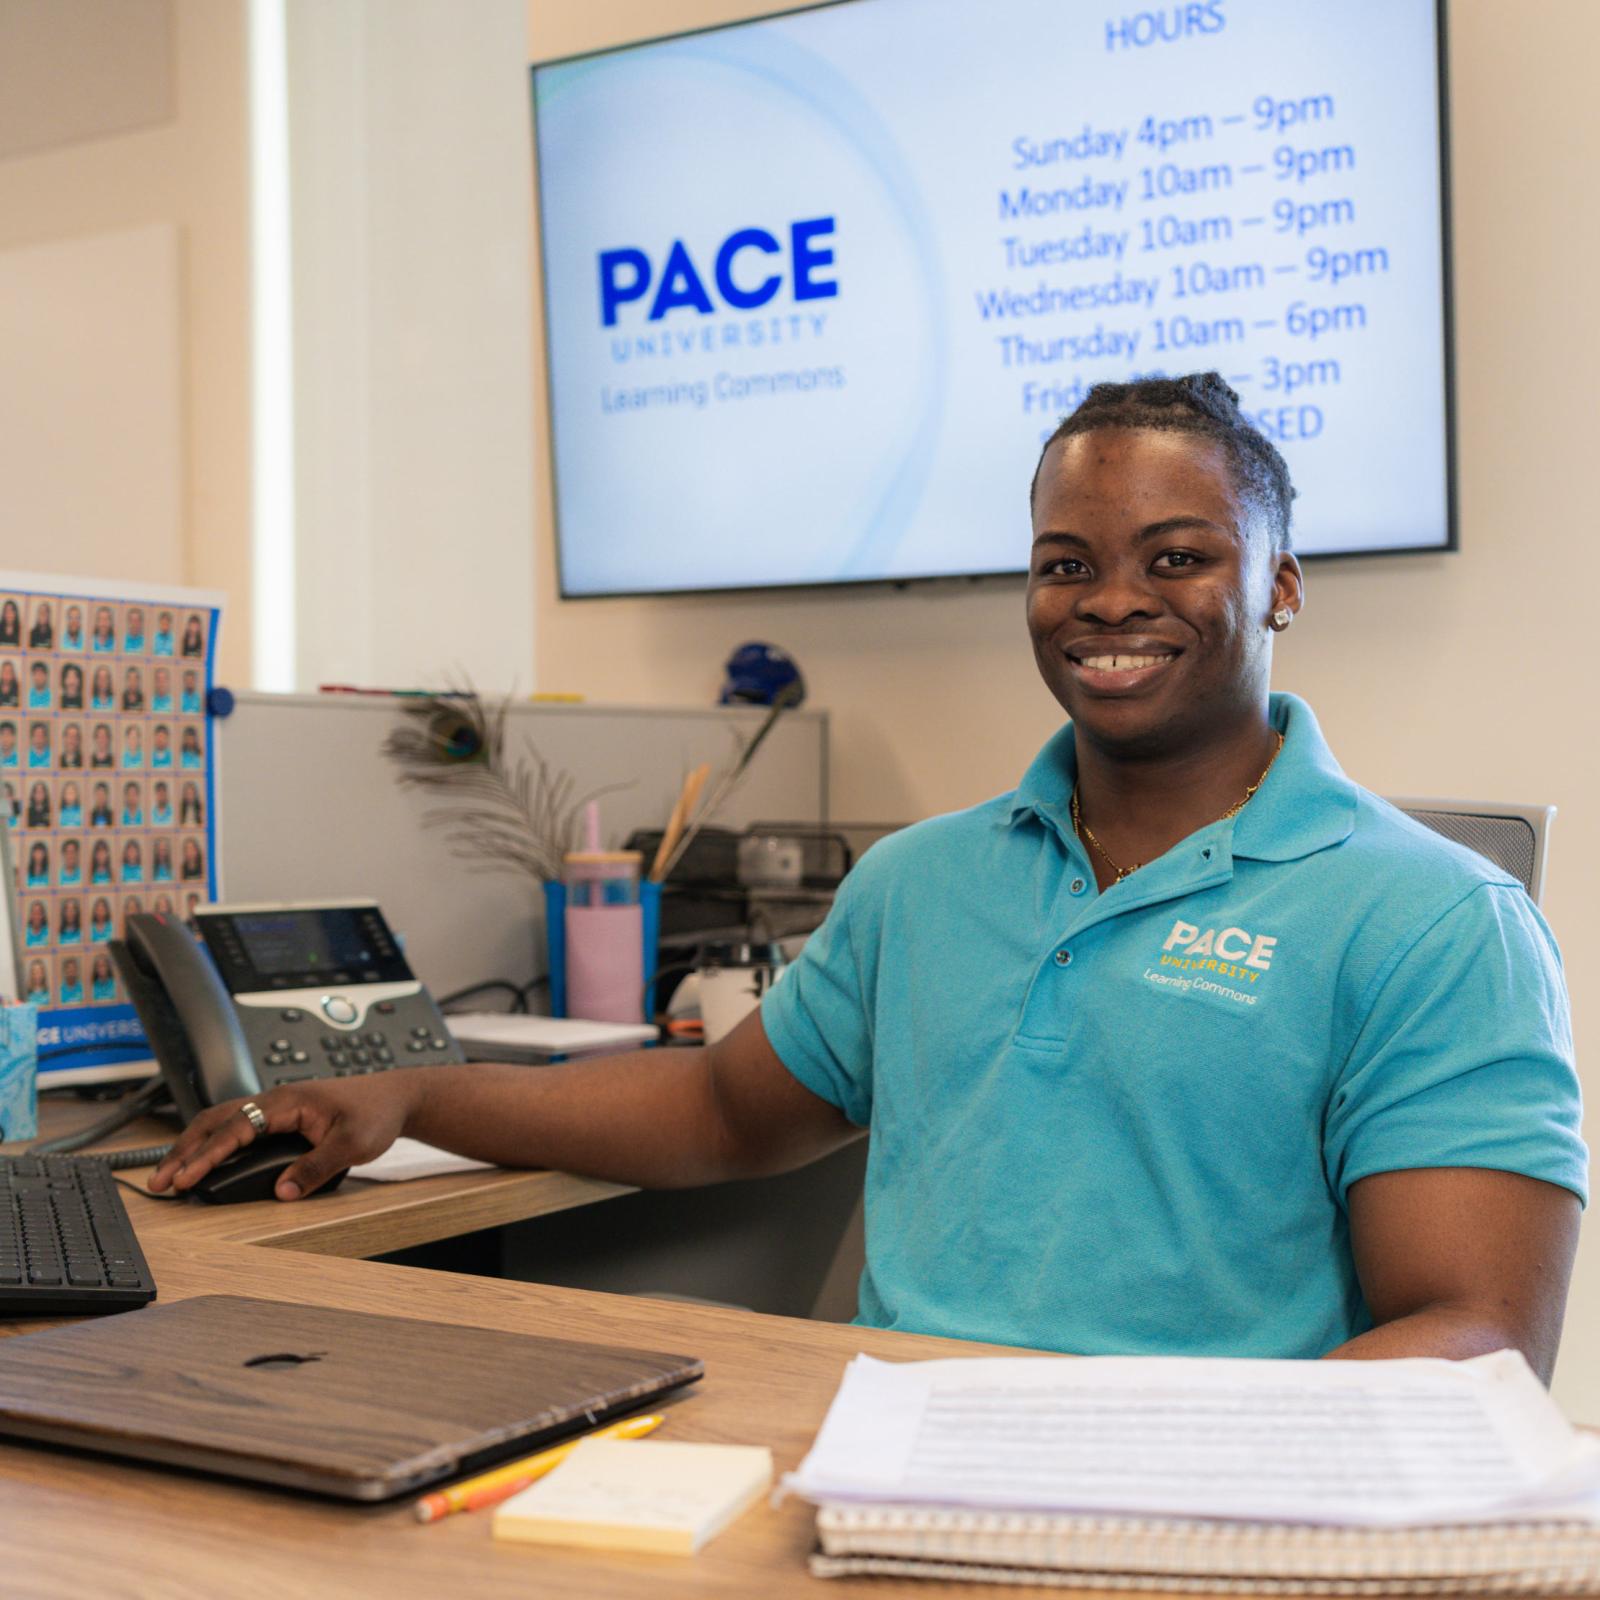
[
  {"x": 1464, "y": 1057},
  {"x": 816, "y": 1015}
]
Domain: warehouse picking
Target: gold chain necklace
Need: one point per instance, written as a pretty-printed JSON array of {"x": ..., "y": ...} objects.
[{"x": 1082, "y": 829}]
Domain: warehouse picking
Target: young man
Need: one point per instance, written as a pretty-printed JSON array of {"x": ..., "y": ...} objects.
[{"x": 1188, "y": 1044}]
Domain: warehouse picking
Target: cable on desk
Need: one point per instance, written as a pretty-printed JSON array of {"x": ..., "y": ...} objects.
[
  {"x": 149, "y": 1194},
  {"x": 517, "y": 992},
  {"x": 129, "y": 1109},
  {"x": 658, "y": 974}
]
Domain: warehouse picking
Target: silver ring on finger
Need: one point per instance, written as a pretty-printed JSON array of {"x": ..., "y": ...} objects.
[{"x": 254, "y": 1115}]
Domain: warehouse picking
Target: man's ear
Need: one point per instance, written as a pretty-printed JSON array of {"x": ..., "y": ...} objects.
[{"x": 1288, "y": 584}]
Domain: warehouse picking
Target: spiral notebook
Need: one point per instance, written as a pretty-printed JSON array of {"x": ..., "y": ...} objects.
[{"x": 1203, "y": 1556}]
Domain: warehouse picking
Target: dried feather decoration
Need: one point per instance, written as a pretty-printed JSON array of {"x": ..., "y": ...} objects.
[
  {"x": 513, "y": 813},
  {"x": 508, "y": 811}
]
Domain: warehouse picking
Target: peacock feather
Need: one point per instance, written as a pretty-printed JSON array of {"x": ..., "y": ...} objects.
[{"x": 504, "y": 809}]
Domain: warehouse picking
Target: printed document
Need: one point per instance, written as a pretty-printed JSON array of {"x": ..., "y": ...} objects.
[{"x": 1346, "y": 1442}]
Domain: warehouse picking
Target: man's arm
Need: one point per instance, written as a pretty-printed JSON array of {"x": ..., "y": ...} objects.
[
  {"x": 1456, "y": 1261},
  {"x": 659, "y": 1119}
]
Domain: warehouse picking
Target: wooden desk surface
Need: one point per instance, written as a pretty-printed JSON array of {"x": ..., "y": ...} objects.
[
  {"x": 76, "y": 1525},
  {"x": 360, "y": 1218}
]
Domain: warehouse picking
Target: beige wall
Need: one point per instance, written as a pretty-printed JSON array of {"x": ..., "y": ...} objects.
[
  {"x": 178, "y": 155},
  {"x": 1464, "y": 675},
  {"x": 412, "y": 241}
]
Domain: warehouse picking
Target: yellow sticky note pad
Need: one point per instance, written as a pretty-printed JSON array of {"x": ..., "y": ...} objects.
[{"x": 639, "y": 1494}]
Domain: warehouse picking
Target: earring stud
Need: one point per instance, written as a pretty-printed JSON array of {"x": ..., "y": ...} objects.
[{"x": 1282, "y": 618}]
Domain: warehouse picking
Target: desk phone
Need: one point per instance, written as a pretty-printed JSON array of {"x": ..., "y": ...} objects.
[
  {"x": 290, "y": 992},
  {"x": 322, "y": 990}
]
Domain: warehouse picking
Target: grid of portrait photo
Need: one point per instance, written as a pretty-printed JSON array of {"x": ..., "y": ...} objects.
[{"x": 104, "y": 760}]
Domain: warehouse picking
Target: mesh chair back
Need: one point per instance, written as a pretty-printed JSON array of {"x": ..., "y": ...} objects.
[{"x": 1515, "y": 838}]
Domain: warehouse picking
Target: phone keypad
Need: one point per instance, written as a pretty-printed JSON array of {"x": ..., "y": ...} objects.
[{"x": 392, "y": 1036}]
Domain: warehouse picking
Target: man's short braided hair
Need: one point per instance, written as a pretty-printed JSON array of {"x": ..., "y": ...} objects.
[{"x": 1200, "y": 403}]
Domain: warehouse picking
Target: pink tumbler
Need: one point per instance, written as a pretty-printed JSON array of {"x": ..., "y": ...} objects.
[{"x": 605, "y": 936}]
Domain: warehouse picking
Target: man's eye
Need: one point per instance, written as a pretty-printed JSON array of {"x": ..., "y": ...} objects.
[
  {"x": 1062, "y": 566},
  {"x": 1171, "y": 559}
]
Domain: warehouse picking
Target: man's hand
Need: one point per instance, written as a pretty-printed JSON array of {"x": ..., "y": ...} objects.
[
  {"x": 347, "y": 1120},
  {"x": 656, "y": 1119}
]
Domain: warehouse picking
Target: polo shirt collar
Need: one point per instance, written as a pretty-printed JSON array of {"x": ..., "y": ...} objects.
[
  {"x": 1306, "y": 804},
  {"x": 1047, "y": 785}
]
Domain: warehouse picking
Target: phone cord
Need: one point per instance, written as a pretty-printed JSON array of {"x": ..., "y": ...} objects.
[
  {"x": 128, "y": 1109},
  {"x": 147, "y": 1157}
]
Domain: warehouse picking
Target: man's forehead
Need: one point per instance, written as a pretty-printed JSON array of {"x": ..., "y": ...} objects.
[
  {"x": 1124, "y": 463},
  {"x": 1136, "y": 478}
]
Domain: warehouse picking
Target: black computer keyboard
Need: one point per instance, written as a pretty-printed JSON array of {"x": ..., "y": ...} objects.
[{"x": 66, "y": 1245}]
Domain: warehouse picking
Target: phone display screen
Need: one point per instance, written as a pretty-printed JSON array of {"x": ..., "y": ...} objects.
[
  {"x": 294, "y": 947},
  {"x": 303, "y": 941}
]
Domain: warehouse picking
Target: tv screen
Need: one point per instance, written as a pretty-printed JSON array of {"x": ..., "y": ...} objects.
[{"x": 818, "y": 286}]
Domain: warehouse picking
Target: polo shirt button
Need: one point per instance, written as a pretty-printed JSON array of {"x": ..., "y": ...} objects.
[
  {"x": 1078, "y": 886},
  {"x": 1063, "y": 958}
]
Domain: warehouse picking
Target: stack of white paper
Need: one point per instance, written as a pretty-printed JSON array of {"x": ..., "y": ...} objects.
[
  {"x": 1355, "y": 1443},
  {"x": 504, "y": 1036}
]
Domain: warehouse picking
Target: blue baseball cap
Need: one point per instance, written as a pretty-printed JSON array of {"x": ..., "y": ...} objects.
[{"x": 758, "y": 673}]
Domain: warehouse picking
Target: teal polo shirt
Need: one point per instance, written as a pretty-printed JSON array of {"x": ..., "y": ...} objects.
[{"x": 1127, "y": 1122}]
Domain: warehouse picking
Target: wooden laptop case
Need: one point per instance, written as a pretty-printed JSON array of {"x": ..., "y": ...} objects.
[{"x": 344, "y": 1403}]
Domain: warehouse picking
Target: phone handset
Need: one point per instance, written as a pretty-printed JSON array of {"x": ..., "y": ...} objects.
[
  {"x": 201, "y": 1048},
  {"x": 194, "y": 1032}
]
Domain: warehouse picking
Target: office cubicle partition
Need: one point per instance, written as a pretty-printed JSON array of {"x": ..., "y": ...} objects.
[{"x": 310, "y": 808}]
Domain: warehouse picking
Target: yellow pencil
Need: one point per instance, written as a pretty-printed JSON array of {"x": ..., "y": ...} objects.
[{"x": 492, "y": 1487}]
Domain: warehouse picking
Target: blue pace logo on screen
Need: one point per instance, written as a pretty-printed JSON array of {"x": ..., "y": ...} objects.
[
  {"x": 744, "y": 292},
  {"x": 748, "y": 270}
]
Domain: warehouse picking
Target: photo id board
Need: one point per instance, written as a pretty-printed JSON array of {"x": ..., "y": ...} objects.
[{"x": 108, "y": 787}]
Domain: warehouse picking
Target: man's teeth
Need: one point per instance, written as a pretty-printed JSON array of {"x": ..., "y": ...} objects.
[{"x": 1121, "y": 663}]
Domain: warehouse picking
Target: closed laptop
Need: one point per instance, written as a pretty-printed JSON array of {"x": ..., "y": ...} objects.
[{"x": 342, "y": 1403}]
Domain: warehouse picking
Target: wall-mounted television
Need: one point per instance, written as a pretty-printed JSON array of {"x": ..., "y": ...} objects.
[{"x": 818, "y": 285}]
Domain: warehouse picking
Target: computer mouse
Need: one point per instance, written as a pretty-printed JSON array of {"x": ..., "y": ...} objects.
[{"x": 253, "y": 1174}]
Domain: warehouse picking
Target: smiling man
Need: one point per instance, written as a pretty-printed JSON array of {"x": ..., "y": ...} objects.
[{"x": 1187, "y": 1044}]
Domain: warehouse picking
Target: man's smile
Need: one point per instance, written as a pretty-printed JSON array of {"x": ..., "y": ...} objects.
[{"x": 1113, "y": 665}]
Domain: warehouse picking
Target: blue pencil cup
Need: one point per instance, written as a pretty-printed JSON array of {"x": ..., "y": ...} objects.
[{"x": 555, "y": 930}]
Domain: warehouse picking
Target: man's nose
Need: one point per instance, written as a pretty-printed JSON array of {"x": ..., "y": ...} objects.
[{"x": 1118, "y": 596}]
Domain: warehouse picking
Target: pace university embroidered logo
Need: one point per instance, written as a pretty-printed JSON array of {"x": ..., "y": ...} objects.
[{"x": 1226, "y": 962}]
